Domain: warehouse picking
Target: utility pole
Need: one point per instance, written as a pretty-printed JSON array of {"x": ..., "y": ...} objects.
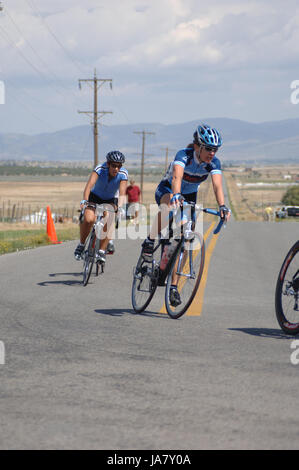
[
  {"x": 144, "y": 133},
  {"x": 97, "y": 83},
  {"x": 167, "y": 149}
]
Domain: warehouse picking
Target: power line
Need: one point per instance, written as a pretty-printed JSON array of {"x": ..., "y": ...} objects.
[
  {"x": 8, "y": 39},
  {"x": 23, "y": 105},
  {"x": 120, "y": 109},
  {"x": 36, "y": 11},
  {"x": 11, "y": 42},
  {"x": 45, "y": 65},
  {"x": 4, "y": 34}
]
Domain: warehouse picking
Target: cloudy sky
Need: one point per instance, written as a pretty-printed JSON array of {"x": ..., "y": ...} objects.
[{"x": 170, "y": 61}]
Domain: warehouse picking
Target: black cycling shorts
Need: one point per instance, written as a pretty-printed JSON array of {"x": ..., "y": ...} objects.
[
  {"x": 97, "y": 200},
  {"x": 165, "y": 187}
]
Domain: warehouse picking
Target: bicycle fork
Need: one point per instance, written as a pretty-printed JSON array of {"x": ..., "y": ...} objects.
[{"x": 182, "y": 262}]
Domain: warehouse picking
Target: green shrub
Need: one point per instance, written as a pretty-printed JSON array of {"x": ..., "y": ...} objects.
[{"x": 291, "y": 197}]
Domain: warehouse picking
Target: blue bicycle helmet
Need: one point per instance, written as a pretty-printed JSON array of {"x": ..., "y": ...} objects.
[
  {"x": 115, "y": 156},
  {"x": 206, "y": 135}
]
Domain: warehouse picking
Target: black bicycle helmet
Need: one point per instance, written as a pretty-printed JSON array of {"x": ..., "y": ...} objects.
[{"x": 115, "y": 156}]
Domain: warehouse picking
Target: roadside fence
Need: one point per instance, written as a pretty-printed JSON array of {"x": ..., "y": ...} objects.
[{"x": 29, "y": 213}]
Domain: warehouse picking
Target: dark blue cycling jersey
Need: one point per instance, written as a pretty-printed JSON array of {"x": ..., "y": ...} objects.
[
  {"x": 195, "y": 172},
  {"x": 106, "y": 188}
]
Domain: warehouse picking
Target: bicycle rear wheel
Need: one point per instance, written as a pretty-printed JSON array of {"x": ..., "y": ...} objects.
[
  {"x": 145, "y": 281},
  {"x": 287, "y": 292},
  {"x": 89, "y": 256},
  {"x": 186, "y": 272}
]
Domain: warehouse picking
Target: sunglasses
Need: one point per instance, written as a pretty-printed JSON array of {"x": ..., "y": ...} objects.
[
  {"x": 116, "y": 165},
  {"x": 211, "y": 149}
]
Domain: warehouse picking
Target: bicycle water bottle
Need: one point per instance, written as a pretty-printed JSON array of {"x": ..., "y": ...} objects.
[
  {"x": 167, "y": 254},
  {"x": 188, "y": 231}
]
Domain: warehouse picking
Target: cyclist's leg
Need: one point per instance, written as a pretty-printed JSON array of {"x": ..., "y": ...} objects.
[
  {"x": 162, "y": 218},
  {"x": 108, "y": 231},
  {"x": 85, "y": 228},
  {"x": 159, "y": 223},
  {"x": 86, "y": 225},
  {"x": 89, "y": 218}
]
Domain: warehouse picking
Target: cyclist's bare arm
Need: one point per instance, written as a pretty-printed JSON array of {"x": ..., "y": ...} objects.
[
  {"x": 218, "y": 190},
  {"x": 177, "y": 176},
  {"x": 89, "y": 214},
  {"x": 90, "y": 183},
  {"x": 122, "y": 193}
]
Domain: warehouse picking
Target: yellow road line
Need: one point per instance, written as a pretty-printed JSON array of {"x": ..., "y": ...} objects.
[
  {"x": 206, "y": 235},
  {"x": 195, "y": 308}
]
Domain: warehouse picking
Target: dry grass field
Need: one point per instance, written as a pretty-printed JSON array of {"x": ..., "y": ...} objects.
[
  {"x": 59, "y": 195},
  {"x": 247, "y": 187},
  {"x": 42, "y": 193},
  {"x": 252, "y": 190}
]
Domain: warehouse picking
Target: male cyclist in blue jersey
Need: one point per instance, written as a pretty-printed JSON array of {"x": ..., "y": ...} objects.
[
  {"x": 188, "y": 170},
  {"x": 107, "y": 184}
]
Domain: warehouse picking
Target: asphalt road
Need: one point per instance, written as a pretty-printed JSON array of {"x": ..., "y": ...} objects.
[{"x": 83, "y": 371}]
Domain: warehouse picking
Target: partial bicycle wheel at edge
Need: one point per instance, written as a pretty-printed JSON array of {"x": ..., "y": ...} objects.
[
  {"x": 287, "y": 293},
  {"x": 192, "y": 259}
]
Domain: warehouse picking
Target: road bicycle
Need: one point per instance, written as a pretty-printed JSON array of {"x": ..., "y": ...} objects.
[
  {"x": 183, "y": 264},
  {"x": 287, "y": 292},
  {"x": 92, "y": 243}
]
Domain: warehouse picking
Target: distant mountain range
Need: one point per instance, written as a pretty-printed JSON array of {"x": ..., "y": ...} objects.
[{"x": 276, "y": 141}]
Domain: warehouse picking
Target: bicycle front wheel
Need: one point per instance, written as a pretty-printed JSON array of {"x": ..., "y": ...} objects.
[
  {"x": 287, "y": 292},
  {"x": 185, "y": 272},
  {"x": 89, "y": 256}
]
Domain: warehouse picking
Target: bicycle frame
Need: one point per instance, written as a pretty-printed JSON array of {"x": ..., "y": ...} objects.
[
  {"x": 191, "y": 274},
  {"x": 185, "y": 239},
  {"x": 99, "y": 224},
  {"x": 92, "y": 242}
]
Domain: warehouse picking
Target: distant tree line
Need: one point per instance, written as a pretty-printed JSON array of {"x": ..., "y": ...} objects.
[{"x": 14, "y": 170}]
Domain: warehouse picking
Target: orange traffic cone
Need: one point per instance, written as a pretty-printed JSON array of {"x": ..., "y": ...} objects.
[{"x": 51, "y": 227}]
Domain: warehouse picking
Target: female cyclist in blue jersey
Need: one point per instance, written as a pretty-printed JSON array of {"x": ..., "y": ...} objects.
[
  {"x": 188, "y": 170},
  {"x": 107, "y": 184}
]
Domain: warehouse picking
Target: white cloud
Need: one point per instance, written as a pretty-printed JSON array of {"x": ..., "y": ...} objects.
[{"x": 151, "y": 47}]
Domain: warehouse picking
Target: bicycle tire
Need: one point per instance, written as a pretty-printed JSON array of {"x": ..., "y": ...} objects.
[
  {"x": 89, "y": 256},
  {"x": 145, "y": 281},
  {"x": 287, "y": 292},
  {"x": 197, "y": 251}
]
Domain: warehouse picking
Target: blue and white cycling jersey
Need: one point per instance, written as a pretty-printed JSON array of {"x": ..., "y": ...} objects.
[
  {"x": 106, "y": 188},
  {"x": 195, "y": 172}
]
